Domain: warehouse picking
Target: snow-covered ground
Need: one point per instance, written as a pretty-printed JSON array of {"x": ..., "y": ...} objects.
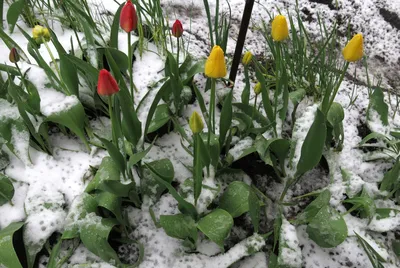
[{"x": 60, "y": 178}]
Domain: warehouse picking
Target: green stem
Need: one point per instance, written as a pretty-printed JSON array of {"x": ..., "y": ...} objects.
[
  {"x": 177, "y": 55},
  {"x": 287, "y": 186},
  {"x": 211, "y": 116},
  {"x": 337, "y": 88},
  {"x": 254, "y": 108},
  {"x": 130, "y": 65},
  {"x": 114, "y": 138},
  {"x": 52, "y": 58}
]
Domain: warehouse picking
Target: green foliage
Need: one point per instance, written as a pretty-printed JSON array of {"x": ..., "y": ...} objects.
[
  {"x": 6, "y": 189},
  {"x": 180, "y": 226},
  {"x": 235, "y": 199},
  {"x": 216, "y": 226},
  {"x": 374, "y": 257},
  {"x": 13, "y": 13},
  {"x": 8, "y": 256}
]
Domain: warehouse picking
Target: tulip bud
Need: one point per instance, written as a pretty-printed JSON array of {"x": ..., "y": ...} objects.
[
  {"x": 354, "y": 49},
  {"x": 46, "y": 34},
  {"x": 215, "y": 66},
  {"x": 247, "y": 58},
  {"x": 257, "y": 88},
  {"x": 177, "y": 29},
  {"x": 106, "y": 84},
  {"x": 128, "y": 18},
  {"x": 39, "y": 33},
  {"x": 14, "y": 55},
  {"x": 195, "y": 123},
  {"x": 280, "y": 29}
]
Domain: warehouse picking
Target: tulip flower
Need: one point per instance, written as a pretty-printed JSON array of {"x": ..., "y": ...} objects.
[
  {"x": 215, "y": 66},
  {"x": 14, "y": 55},
  {"x": 354, "y": 49},
  {"x": 257, "y": 88},
  {"x": 177, "y": 29},
  {"x": 195, "y": 123},
  {"x": 280, "y": 29},
  {"x": 247, "y": 58},
  {"x": 106, "y": 85},
  {"x": 40, "y": 34},
  {"x": 128, "y": 18}
]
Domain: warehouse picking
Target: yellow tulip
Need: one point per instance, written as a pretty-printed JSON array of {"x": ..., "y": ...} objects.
[
  {"x": 195, "y": 123},
  {"x": 247, "y": 58},
  {"x": 280, "y": 30},
  {"x": 257, "y": 88},
  {"x": 46, "y": 34},
  {"x": 354, "y": 50},
  {"x": 37, "y": 32},
  {"x": 215, "y": 66}
]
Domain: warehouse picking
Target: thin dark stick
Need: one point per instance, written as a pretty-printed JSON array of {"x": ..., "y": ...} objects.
[{"x": 242, "y": 36}]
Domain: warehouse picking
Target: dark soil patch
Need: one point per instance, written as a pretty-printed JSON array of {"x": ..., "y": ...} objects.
[
  {"x": 390, "y": 17},
  {"x": 325, "y": 2}
]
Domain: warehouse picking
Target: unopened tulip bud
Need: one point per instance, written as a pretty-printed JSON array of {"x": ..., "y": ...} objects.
[
  {"x": 280, "y": 29},
  {"x": 128, "y": 18},
  {"x": 247, "y": 58},
  {"x": 177, "y": 29},
  {"x": 106, "y": 85},
  {"x": 14, "y": 55},
  {"x": 46, "y": 34},
  {"x": 215, "y": 66},
  {"x": 354, "y": 50},
  {"x": 195, "y": 123},
  {"x": 257, "y": 88}
]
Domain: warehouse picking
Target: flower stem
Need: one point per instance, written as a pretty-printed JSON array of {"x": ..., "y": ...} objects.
[
  {"x": 177, "y": 55},
  {"x": 337, "y": 87},
  {"x": 112, "y": 121},
  {"x": 211, "y": 116},
  {"x": 254, "y": 108},
  {"x": 130, "y": 66},
  {"x": 52, "y": 58}
]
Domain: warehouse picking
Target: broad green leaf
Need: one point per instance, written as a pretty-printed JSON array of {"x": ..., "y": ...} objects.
[
  {"x": 6, "y": 189},
  {"x": 297, "y": 96},
  {"x": 184, "y": 206},
  {"x": 115, "y": 154},
  {"x": 248, "y": 110},
  {"x": 8, "y": 256},
  {"x": 13, "y": 13},
  {"x": 375, "y": 258},
  {"x": 254, "y": 209},
  {"x": 72, "y": 117},
  {"x": 69, "y": 75},
  {"x": 216, "y": 226},
  {"x": 179, "y": 226},
  {"x": 115, "y": 29},
  {"x": 214, "y": 150},
  {"x": 313, "y": 146},
  {"x": 81, "y": 206},
  {"x": 328, "y": 228},
  {"x": 391, "y": 178},
  {"x": 373, "y": 135},
  {"x": 134, "y": 159},
  {"x": 335, "y": 114},
  {"x": 120, "y": 57},
  {"x": 199, "y": 151},
  {"x": 264, "y": 93},
  {"x": 377, "y": 104},
  {"x": 396, "y": 247},
  {"x": 149, "y": 185},
  {"x": 8, "y": 69},
  {"x": 226, "y": 118},
  {"x": 108, "y": 171},
  {"x": 89, "y": 72},
  {"x": 94, "y": 235},
  {"x": 111, "y": 202},
  {"x": 314, "y": 207},
  {"x": 198, "y": 67},
  {"x": 163, "y": 90},
  {"x": 235, "y": 199},
  {"x": 161, "y": 117}
]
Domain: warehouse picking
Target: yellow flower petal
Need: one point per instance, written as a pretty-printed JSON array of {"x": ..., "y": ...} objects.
[
  {"x": 195, "y": 123},
  {"x": 257, "y": 88},
  {"x": 354, "y": 50},
  {"x": 280, "y": 29},
  {"x": 215, "y": 66},
  {"x": 247, "y": 58}
]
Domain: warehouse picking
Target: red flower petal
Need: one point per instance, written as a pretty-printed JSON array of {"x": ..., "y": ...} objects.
[
  {"x": 128, "y": 18},
  {"x": 106, "y": 85},
  {"x": 177, "y": 29}
]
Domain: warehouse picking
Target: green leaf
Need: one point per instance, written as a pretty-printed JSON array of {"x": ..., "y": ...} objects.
[
  {"x": 149, "y": 185},
  {"x": 111, "y": 202},
  {"x": 115, "y": 154},
  {"x": 94, "y": 235},
  {"x": 314, "y": 207},
  {"x": 163, "y": 90},
  {"x": 115, "y": 28},
  {"x": 8, "y": 257},
  {"x": 375, "y": 258},
  {"x": 313, "y": 146},
  {"x": 70, "y": 75},
  {"x": 396, "y": 247},
  {"x": 378, "y": 104},
  {"x": 199, "y": 151},
  {"x": 328, "y": 228},
  {"x": 254, "y": 209},
  {"x": 73, "y": 117},
  {"x": 89, "y": 72},
  {"x": 13, "y": 13},
  {"x": 214, "y": 150},
  {"x": 184, "y": 206},
  {"x": 248, "y": 110},
  {"x": 161, "y": 117},
  {"x": 6, "y": 189},
  {"x": 297, "y": 96},
  {"x": 226, "y": 118},
  {"x": 335, "y": 114},
  {"x": 10, "y": 43},
  {"x": 391, "y": 178},
  {"x": 235, "y": 199},
  {"x": 179, "y": 226},
  {"x": 216, "y": 226}
]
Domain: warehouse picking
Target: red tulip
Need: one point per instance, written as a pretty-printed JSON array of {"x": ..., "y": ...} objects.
[
  {"x": 177, "y": 29},
  {"x": 14, "y": 55},
  {"x": 128, "y": 18},
  {"x": 106, "y": 85}
]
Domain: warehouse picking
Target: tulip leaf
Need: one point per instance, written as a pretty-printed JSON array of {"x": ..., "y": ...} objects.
[
  {"x": 200, "y": 151},
  {"x": 149, "y": 185},
  {"x": 94, "y": 235},
  {"x": 335, "y": 114},
  {"x": 328, "y": 228},
  {"x": 89, "y": 72},
  {"x": 111, "y": 202},
  {"x": 6, "y": 189},
  {"x": 377, "y": 105},
  {"x": 235, "y": 199},
  {"x": 13, "y": 13},
  {"x": 216, "y": 226},
  {"x": 314, "y": 207},
  {"x": 179, "y": 226},
  {"x": 225, "y": 119},
  {"x": 248, "y": 110},
  {"x": 312, "y": 148},
  {"x": 396, "y": 247},
  {"x": 161, "y": 117},
  {"x": 164, "y": 88},
  {"x": 115, "y": 29},
  {"x": 254, "y": 209},
  {"x": 8, "y": 256}
]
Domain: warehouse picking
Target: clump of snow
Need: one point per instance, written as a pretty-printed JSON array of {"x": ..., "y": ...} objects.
[{"x": 290, "y": 254}]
